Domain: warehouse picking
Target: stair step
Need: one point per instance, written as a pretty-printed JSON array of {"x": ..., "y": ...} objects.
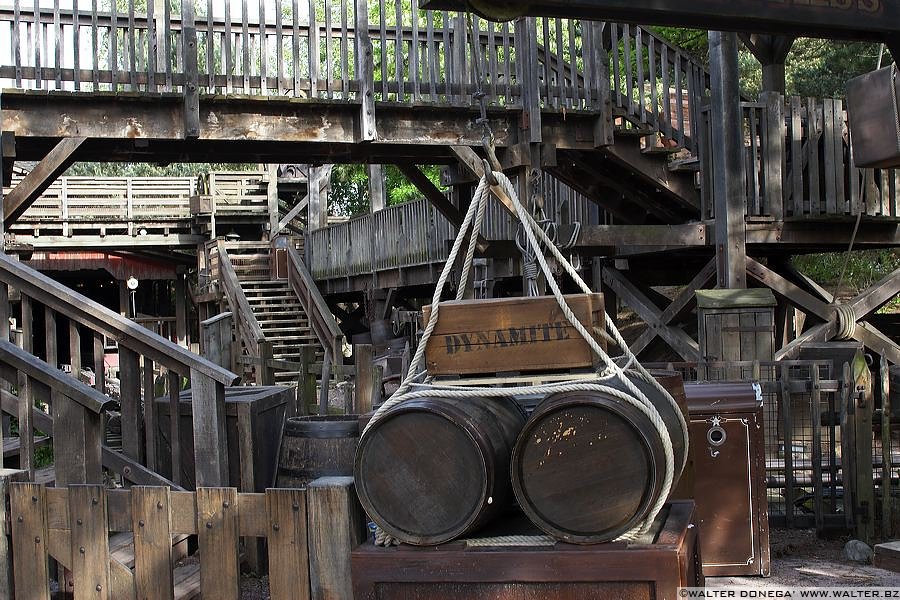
[
  {"x": 270, "y": 297},
  {"x": 685, "y": 165},
  {"x": 280, "y": 323},
  {"x": 277, "y": 310},
  {"x": 661, "y": 150}
]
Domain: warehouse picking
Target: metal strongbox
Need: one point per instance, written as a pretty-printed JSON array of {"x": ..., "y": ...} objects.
[{"x": 729, "y": 477}]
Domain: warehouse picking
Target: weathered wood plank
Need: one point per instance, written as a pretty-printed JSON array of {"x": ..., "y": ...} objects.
[
  {"x": 217, "y": 524},
  {"x": 28, "y": 508},
  {"x": 151, "y": 510},
  {"x": 90, "y": 541},
  {"x": 7, "y": 477},
  {"x": 288, "y": 545},
  {"x": 336, "y": 526}
]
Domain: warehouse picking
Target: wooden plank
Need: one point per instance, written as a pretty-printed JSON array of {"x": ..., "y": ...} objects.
[
  {"x": 151, "y": 510},
  {"x": 217, "y": 524},
  {"x": 336, "y": 526},
  {"x": 7, "y": 477},
  {"x": 90, "y": 541},
  {"x": 531, "y": 333},
  {"x": 40, "y": 178},
  {"x": 887, "y": 499},
  {"x": 210, "y": 443},
  {"x": 26, "y": 423},
  {"x": 814, "y": 133},
  {"x": 130, "y": 401},
  {"x": 288, "y": 545},
  {"x": 797, "y": 156},
  {"x": 174, "y": 389},
  {"x": 363, "y": 355},
  {"x": 151, "y": 418},
  {"x": 191, "y": 86},
  {"x": 99, "y": 364},
  {"x": 28, "y": 509}
]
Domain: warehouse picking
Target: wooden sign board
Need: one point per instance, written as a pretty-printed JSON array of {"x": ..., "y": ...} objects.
[
  {"x": 512, "y": 334},
  {"x": 839, "y": 19}
]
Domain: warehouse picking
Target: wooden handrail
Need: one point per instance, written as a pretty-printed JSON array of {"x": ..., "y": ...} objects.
[
  {"x": 20, "y": 360},
  {"x": 321, "y": 320},
  {"x": 127, "y": 333},
  {"x": 249, "y": 327}
]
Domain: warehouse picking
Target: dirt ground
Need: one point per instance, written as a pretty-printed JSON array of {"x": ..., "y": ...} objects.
[{"x": 799, "y": 558}]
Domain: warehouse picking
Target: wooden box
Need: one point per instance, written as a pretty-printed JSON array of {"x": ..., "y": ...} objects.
[
  {"x": 736, "y": 325},
  {"x": 875, "y": 118},
  {"x": 653, "y": 569},
  {"x": 254, "y": 418},
  {"x": 729, "y": 477},
  {"x": 512, "y": 334}
]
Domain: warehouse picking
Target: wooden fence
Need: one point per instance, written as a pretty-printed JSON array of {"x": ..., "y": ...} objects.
[{"x": 309, "y": 533}]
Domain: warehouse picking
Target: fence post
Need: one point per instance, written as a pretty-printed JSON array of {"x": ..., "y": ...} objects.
[
  {"x": 210, "y": 443},
  {"x": 7, "y": 476},
  {"x": 774, "y": 154},
  {"x": 365, "y": 71},
  {"x": 266, "y": 372},
  {"x": 215, "y": 334},
  {"x": 336, "y": 525},
  {"x": 191, "y": 91},
  {"x": 363, "y": 355}
]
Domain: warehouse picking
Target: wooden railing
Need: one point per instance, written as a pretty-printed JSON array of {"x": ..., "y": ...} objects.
[
  {"x": 321, "y": 321},
  {"x": 799, "y": 164},
  {"x": 140, "y": 353},
  {"x": 416, "y": 234},
  {"x": 250, "y": 333},
  {"x": 115, "y": 205},
  {"x": 73, "y": 526}
]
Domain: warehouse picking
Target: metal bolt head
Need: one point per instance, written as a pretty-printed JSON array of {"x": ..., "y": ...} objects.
[
  {"x": 99, "y": 587},
  {"x": 94, "y": 502},
  {"x": 208, "y": 525},
  {"x": 140, "y": 523},
  {"x": 20, "y": 519},
  {"x": 276, "y": 527},
  {"x": 37, "y": 540},
  {"x": 159, "y": 505},
  {"x": 79, "y": 521},
  {"x": 81, "y": 550},
  {"x": 34, "y": 498},
  {"x": 226, "y": 504},
  {"x": 296, "y": 507}
]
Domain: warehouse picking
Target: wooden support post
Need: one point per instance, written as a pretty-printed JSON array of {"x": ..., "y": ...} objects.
[
  {"x": 727, "y": 149},
  {"x": 151, "y": 522},
  {"x": 363, "y": 354},
  {"x": 887, "y": 487},
  {"x": 7, "y": 157},
  {"x": 7, "y": 476},
  {"x": 30, "y": 538},
  {"x": 318, "y": 207},
  {"x": 775, "y": 157},
  {"x": 265, "y": 370},
  {"x": 26, "y": 424},
  {"x": 191, "y": 90},
  {"x": 288, "y": 544},
  {"x": 77, "y": 445},
  {"x": 210, "y": 443},
  {"x": 216, "y": 334},
  {"x": 604, "y": 130},
  {"x": 377, "y": 200},
  {"x": 130, "y": 401},
  {"x": 306, "y": 385},
  {"x": 217, "y": 524},
  {"x": 90, "y": 541},
  {"x": 181, "y": 307},
  {"x": 151, "y": 415},
  {"x": 39, "y": 179},
  {"x": 174, "y": 385},
  {"x": 527, "y": 72},
  {"x": 336, "y": 526},
  {"x": 771, "y": 51},
  {"x": 365, "y": 69},
  {"x": 124, "y": 300}
]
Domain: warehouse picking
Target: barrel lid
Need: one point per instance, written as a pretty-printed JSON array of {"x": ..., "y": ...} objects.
[
  {"x": 583, "y": 472},
  {"x": 331, "y": 426},
  {"x": 722, "y": 397},
  {"x": 421, "y": 476}
]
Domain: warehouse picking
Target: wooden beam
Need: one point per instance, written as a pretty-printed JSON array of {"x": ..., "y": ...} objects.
[
  {"x": 841, "y": 20},
  {"x": 789, "y": 290},
  {"x": 614, "y": 236},
  {"x": 687, "y": 297},
  {"x": 816, "y": 335},
  {"x": 40, "y": 178},
  {"x": 8, "y": 156},
  {"x": 877, "y": 342},
  {"x": 876, "y": 296},
  {"x": 471, "y": 162},
  {"x": 377, "y": 198}
]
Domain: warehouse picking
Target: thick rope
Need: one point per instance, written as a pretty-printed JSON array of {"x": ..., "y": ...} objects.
[
  {"x": 512, "y": 541},
  {"x": 612, "y": 371}
]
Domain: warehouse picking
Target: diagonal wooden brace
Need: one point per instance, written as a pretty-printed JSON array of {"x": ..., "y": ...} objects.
[{"x": 39, "y": 179}]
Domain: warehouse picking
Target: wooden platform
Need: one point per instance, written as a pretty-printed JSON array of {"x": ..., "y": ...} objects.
[{"x": 655, "y": 567}]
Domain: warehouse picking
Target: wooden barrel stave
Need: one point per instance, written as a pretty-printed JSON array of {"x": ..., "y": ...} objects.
[{"x": 317, "y": 446}]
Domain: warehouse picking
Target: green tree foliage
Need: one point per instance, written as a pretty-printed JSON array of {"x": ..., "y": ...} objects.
[
  {"x": 350, "y": 188},
  {"x": 84, "y": 169}
]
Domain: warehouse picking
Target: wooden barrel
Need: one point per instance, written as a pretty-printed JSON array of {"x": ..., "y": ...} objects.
[
  {"x": 431, "y": 469},
  {"x": 315, "y": 446},
  {"x": 588, "y": 467}
]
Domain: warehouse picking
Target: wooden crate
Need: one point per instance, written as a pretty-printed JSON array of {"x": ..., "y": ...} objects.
[
  {"x": 655, "y": 568},
  {"x": 736, "y": 325},
  {"x": 254, "y": 417},
  {"x": 512, "y": 334}
]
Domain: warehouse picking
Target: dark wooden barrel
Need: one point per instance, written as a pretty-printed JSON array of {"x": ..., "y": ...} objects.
[
  {"x": 313, "y": 447},
  {"x": 588, "y": 467},
  {"x": 432, "y": 469}
]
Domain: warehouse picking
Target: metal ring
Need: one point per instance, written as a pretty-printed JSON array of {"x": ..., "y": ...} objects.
[{"x": 716, "y": 436}]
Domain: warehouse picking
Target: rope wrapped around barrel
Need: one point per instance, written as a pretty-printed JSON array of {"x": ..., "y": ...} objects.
[{"x": 417, "y": 384}]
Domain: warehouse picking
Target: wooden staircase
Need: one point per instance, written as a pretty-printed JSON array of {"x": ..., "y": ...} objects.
[{"x": 276, "y": 308}]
